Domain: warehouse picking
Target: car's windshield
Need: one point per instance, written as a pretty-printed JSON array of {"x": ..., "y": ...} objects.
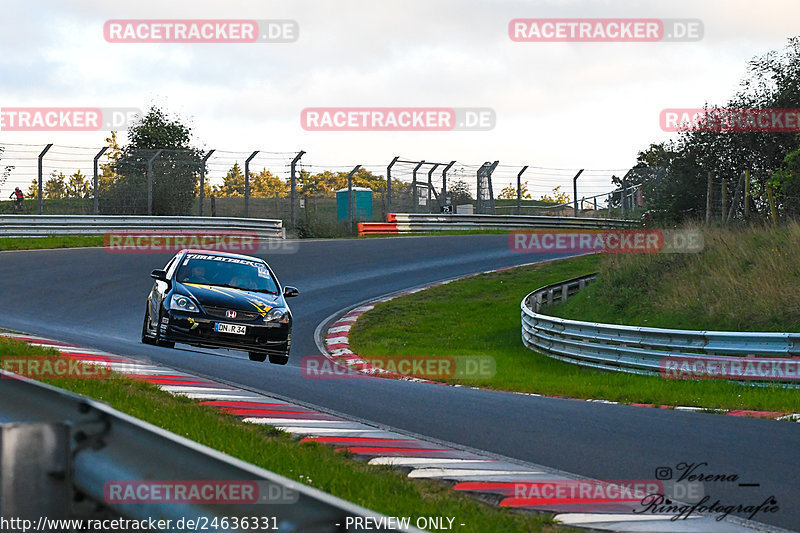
[{"x": 226, "y": 272}]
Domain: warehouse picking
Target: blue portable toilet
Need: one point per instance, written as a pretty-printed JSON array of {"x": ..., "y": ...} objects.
[{"x": 362, "y": 202}]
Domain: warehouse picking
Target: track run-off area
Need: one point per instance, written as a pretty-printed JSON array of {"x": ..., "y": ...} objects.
[{"x": 92, "y": 298}]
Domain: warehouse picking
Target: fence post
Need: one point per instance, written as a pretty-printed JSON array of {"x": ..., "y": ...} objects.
[
  {"x": 247, "y": 184},
  {"x": 150, "y": 181},
  {"x": 575, "y": 192},
  {"x": 724, "y": 199},
  {"x": 519, "y": 189},
  {"x": 444, "y": 181},
  {"x": 709, "y": 192},
  {"x": 414, "y": 199},
  {"x": 624, "y": 198},
  {"x": 293, "y": 190},
  {"x": 350, "y": 207},
  {"x": 430, "y": 186},
  {"x": 389, "y": 184},
  {"x": 41, "y": 191},
  {"x": 96, "y": 201},
  {"x": 203, "y": 179},
  {"x": 746, "y": 194}
]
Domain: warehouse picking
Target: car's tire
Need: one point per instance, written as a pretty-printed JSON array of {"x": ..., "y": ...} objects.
[
  {"x": 258, "y": 356},
  {"x": 278, "y": 359},
  {"x": 146, "y": 337},
  {"x": 159, "y": 341}
]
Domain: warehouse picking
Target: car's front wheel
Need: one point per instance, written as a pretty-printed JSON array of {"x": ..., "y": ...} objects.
[{"x": 147, "y": 337}]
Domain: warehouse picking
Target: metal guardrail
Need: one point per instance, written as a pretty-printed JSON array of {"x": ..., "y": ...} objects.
[
  {"x": 55, "y": 445},
  {"x": 419, "y": 223},
  {"x": 43, "y": 225},
  {"x": 635, "y": 349}
]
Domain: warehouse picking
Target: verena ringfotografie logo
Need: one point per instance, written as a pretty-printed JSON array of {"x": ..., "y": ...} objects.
[
  {"x": 431, "y": 367},
  {"x": 195, "y": 492},
  {"x": 154, "y": 242},
  {"x": 587, "y": 30},
  {"x": 731, "y": 368},
  {"x": 52, "y": 367},
  {"x": 200, "y": 31},
  {"x": 731, "y": 120},
  {"x": 67, "y": 118},
  {"x": 397, "y": 119},
  {"x": 647, "y": 241}
]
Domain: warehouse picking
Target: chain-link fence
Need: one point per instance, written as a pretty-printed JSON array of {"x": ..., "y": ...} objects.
[{"x": 312, "y": 199}]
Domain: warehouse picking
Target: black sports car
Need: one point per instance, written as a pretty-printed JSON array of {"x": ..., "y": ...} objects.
[{"x": 220, "y": 300}]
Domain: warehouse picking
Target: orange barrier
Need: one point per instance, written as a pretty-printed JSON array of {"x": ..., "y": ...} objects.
[{"x": 373, "y": 228}]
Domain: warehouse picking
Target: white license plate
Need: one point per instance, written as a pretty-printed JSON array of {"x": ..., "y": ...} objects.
[{"x": 230, "y": 328}]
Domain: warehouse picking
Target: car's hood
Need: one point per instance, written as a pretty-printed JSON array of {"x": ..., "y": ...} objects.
[{"x": 236, "y": 299}]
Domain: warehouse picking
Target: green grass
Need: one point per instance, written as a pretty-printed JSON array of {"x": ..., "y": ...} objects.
[
  {"x": 743, "y": 280},
  {"x": 481, "y": 316},
  {"x": 52, "y": 241},
  {"x": 382, "y": 489}
]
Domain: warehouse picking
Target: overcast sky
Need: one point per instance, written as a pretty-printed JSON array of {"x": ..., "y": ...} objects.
[{"x": 558, "y": 105}]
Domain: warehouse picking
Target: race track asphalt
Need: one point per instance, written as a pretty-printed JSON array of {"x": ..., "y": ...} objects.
[{"x": 96, "y": 299}]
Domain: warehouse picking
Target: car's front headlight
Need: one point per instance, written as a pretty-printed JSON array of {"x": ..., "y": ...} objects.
[
  {"x": 277, "y": 315},
  {"x": 179, "y": 302}
]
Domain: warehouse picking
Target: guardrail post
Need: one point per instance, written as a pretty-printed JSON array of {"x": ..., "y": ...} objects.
[
  {"x": 351, "y": 209},
  {"x": 389, "y": 184},
  {"x": 293, "y": 189},
  {"x": 41, "y": 191},
  {"x": 519, "y": 189},
  {"x": 247, "y": 184},
  {"x": 430, "y": 186},
  {"x": 95, "y": 183},
  {"x": 415, "y": 200},
  {"x": 564, "y": 292},
  {"x": 444, "y": 181},
  {"x": 575, "y": 191},
  {"x": 34, "y": 470},
  {"x": 150, "y": 181},
  {"x": 203, "y": 179}
]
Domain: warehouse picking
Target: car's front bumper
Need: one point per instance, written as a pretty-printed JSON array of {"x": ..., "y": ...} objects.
[{"x": 191, "y": 328}]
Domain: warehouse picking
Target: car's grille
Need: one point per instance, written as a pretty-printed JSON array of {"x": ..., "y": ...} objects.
[{"x": 220, "y": 312}]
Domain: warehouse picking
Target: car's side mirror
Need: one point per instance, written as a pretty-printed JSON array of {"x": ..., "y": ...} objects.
[
  {"x": 290, "y": 292},
  {"x": 160, "y": 275}
]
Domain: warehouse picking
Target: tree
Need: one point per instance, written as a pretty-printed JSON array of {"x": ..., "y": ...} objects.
[
  {"x": 232, "y": 183},
  {"x": 5, "y": 171},
  {"x": 175, "y": 169},
  {"x": 786, "y": 184},
  {"x": 54, "y": 188},
  {"x": 558, "y": 197},
  {"x": 510, "y": 191},
  {"x": 77, "y": 186},
  {"x": 266, "y": 185},
  {"x": 459, "y": 192}
]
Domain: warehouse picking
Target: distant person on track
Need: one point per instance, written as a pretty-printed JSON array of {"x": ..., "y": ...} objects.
[{"x": 18, "y": 198}]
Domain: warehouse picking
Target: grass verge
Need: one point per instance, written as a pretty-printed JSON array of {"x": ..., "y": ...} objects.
[
  {"x": 49, "y": 242},
  {"x": 381, "y": 489},
  {"x": 481, "y": 316}
]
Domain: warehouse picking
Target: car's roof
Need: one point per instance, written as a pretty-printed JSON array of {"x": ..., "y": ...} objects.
[{"x": 221, "y": 254}]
